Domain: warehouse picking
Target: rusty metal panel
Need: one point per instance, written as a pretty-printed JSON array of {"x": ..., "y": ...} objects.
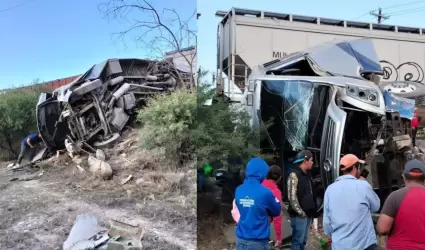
[{"x": 58, "y": 82}]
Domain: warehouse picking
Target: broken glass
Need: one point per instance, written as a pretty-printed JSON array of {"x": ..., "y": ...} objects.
[{"x": 297, "y": 98}]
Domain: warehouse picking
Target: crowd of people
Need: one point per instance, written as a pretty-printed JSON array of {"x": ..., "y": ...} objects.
[{"x": 347, "y": 211}]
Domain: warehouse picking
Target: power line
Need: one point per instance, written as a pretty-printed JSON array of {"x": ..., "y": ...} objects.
[
  {"x": 379, "y": 15},
  {"x": 408, "y": 11},
  {"x": 401, "y": 5},
  {"x": 16, "y": 6},
  {"x": 365, "y": 14},
  {"x": 403, "y": 11},
  {"x": 388, "y": 7}
]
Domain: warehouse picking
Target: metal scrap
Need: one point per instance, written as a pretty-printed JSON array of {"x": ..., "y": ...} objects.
[
  {"x": 28, "y": 177},
  {"x": 86, "y": 234},
  {"x": 126, "y": 180}
]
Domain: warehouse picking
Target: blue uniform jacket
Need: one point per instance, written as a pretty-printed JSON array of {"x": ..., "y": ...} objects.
[{"x": 255, "y": 203}]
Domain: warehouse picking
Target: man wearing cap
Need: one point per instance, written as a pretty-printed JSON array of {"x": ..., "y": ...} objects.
[
  {"x": 302, "y": 203},
  {"x": 348, "y": 206},
  {"x": 403, "y": 214}
]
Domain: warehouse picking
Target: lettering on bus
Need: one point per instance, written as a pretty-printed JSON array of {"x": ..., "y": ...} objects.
[{"x": 279, "y": 54}]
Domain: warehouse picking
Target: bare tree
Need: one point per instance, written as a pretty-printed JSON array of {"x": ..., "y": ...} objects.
[{"x": 162, "y": 31}]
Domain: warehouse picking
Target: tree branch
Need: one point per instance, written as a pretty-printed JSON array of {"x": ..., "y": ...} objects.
[{"x": 154, "y": 31}]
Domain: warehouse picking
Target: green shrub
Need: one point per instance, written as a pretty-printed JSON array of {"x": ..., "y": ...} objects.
[
  {"x": 186, "y": 128},
  {"x": 223, "y": 131},
  {"x": 18, "y": 117},
  {"x": 168, "y": 122}
]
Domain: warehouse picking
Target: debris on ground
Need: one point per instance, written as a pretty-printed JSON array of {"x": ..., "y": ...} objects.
[
  {"x": 28, "y": 177},
  {"x": 100, "y": 168},
  {"x": 126, "y": 180},
  {"x": 125, "y": 235},
  {"x": 86, "y": 234},
  {"x": 100, "y": 155},
  {"x": 39, "y": 214},
  {"x": 81, "y": 168}
]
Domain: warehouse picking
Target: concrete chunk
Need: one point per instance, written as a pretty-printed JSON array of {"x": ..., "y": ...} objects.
[
  {"x": 100, "y": 154},
  {"x": 100, "y": 168}
]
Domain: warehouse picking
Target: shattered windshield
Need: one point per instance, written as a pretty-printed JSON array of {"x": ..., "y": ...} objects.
[{"x": 292, "y": 108}]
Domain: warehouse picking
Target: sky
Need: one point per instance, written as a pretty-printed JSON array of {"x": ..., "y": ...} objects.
[
  {"x": 52, "y": 39},
  {"x": 403, "y": 13}
]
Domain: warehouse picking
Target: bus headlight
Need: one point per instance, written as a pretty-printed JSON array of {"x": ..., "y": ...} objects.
[{"x": 366, "y": 95}]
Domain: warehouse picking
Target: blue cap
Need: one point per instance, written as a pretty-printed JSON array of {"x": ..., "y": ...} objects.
[
  {"x": 302, "y": 156},
  {"x": 414, "y": 164}
]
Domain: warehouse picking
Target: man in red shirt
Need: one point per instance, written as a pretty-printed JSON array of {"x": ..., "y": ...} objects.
[
  {"x": 403, "y": 214},
  {"x": 415, "y": 125}
]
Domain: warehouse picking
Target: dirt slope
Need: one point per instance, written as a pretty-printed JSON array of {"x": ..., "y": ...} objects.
[{"x": 39, "y": 214}]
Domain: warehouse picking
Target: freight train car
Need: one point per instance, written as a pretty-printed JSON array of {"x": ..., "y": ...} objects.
[{"x": 246, "y": 38}]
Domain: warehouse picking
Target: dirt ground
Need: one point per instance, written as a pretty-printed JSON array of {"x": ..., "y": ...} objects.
[
  {"x": 38, "y": 214},
  {"x": 211, "y": 229},
  {"x": 211, "y": 237}
]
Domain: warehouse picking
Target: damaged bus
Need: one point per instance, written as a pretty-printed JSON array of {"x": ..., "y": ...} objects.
[{"x": 327, "y": 99}]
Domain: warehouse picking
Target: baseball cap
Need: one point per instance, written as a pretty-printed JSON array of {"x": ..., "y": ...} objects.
[
  {"x": 414, "y": 164},
  {"x": 302, "y": 156},
  {"x": 349, "y": 160}
]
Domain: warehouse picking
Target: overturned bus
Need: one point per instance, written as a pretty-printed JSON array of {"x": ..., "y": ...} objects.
[
  {"x": 327, "y": 99},
  {"x": 91, "y": 111}
]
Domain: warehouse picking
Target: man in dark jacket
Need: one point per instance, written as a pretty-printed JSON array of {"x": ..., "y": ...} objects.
[
  {"x": 221, "y": 96},
  {"x": 302, "y": 203},
  {"x": 27, "y": 143},
  {"x": 256, "y": 205}
]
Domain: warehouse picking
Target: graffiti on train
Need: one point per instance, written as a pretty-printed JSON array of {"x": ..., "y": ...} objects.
[{"x": 408, "y": 71}]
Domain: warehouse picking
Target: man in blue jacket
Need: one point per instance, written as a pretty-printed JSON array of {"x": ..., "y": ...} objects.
[
  {"x": 27, "y": 143},
  {"x": 256, "y": 204}
]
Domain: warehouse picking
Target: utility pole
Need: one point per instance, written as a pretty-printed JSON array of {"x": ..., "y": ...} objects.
[{"x": 379, "y": 15}]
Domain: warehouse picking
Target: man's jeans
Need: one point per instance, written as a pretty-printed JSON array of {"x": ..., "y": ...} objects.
[
  {"x": 300, "y": 231},
  {"x": 24, "y": 149},
  {"x": 242, "y": 244}
]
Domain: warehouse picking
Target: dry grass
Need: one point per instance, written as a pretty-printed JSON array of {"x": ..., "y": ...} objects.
[
  {"x": 210, "y": 234},
  {"x": 157, "y": 191},
  {"x": 154, "y": 178}
]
